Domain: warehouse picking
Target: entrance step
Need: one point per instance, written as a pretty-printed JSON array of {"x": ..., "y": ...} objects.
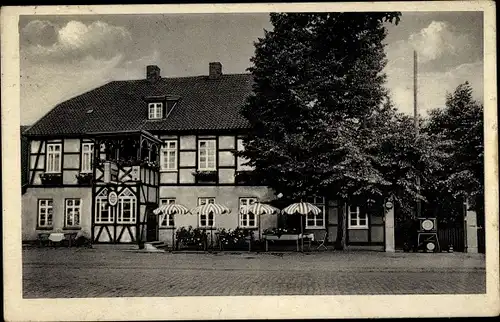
[
  {"x": 154, "y": 246},
  {"x": 157, "y": 243},
  {"x": 115, "y": 246}
]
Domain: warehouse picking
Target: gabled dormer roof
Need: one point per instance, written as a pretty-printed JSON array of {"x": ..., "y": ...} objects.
[{"x": 203, "y": 104}]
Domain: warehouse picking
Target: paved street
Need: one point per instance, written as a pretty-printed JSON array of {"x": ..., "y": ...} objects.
[{"x": 65, "y": 273}]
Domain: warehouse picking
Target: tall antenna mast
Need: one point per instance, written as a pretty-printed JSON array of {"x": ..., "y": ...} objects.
[
  {"x": 415, "y": 117},
  {"x": 415, "y": 109}
]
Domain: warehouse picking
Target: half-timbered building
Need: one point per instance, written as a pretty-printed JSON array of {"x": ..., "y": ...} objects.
[{"x": 102, "y": 161}]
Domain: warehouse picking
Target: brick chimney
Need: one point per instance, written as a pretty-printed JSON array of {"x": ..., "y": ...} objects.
[
  {"x": 214, "y": 70},
  {"x": 152, "y": 73}
]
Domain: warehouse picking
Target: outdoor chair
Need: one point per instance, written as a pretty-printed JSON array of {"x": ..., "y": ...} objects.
[
  {"x": 43, "y": 239},
  {"x": 70, "y": 238},
  {"x": 322, "y": 238}
]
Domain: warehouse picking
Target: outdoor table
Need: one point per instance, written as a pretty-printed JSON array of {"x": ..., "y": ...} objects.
[
  {"x": 56, "y": 237},
  {"x": 288, "y": 237}
]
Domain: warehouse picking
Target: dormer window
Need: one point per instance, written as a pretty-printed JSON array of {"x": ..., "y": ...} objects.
[{"x": 155, "y": 111}]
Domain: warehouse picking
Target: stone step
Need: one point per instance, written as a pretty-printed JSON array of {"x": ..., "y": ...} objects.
[
  {"x": 150, "y": 247},
  {"x": 156, "y": 243}
]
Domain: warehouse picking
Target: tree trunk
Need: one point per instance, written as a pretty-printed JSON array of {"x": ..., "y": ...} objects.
[{"x": 341, "y": 229}]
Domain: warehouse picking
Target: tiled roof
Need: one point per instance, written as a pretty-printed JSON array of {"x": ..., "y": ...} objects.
[{"x": 205, "y": 104}]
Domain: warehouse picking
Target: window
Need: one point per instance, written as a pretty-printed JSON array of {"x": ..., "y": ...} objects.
[
  {"x": 316, "y": 221},
  {"x": 45, "y": 211},
  {"x": 206, "y": 155},
  {"x": 54, "y": 157},
  {"x": 87, "y": 157},
  {"x": 126, "y": 207},
  {"x": 169, "y": 156},
  {"x": 155, "y": 111},
  {"x": 168, "y": 220},
  {"x": 247, "y": 220},
  {"x": 104, "y": 213},
  {"x": 206, "y": 220},
  {"x": 72, "y": 213},
  {"x": 357, "y": 219}
]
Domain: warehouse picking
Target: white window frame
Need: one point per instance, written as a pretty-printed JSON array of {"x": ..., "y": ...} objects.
[
  {"x": 319, "y": 202},
  {"x": 204, "y": 165},
  {"x": 87, "y": 157},
  {"x": 126, "y": 197},
  {"x": 52, "y": 165},
  {"x": 43, "y": 211},
  {"x": 203, "y": 201},
  {"x": 168, "y": 219},
  {"x": 359, "y": 216},
  {"x": 155, "y": 111},
  {"x": 165, "y": 157},
  {"x": 101, "y": 202},
  {"x": 72, "y": 205},
  {"x": 245, "y": 218}
]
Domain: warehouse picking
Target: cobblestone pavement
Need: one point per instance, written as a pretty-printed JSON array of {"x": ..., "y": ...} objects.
[{"x": 65, "y": 273}]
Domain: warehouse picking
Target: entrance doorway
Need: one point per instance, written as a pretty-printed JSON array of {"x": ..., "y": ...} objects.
[{"x": 152, "y": 225}]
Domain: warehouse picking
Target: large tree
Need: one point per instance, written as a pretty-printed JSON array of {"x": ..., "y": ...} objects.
[
  {"x": 460, "y": 123},
  {"x": 318, "y": 76},
  {"x": 318, "y": 92}
]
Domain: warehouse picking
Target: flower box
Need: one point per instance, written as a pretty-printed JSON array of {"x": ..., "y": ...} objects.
[
  {"x": 51, "y": 178},
  {"x": 153, "y": 165},
  {"x": 206, "y": 176},
  {"x": 84, "y": 178}
]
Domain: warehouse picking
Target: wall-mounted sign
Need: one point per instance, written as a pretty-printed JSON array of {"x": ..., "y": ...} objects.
[
  {"x": 389, "y": 205},
  {"x": 112, "y": 198}
]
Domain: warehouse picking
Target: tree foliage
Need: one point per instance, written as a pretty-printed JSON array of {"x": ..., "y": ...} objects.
[
  {"x": 318, "y": 83},
  {"x": 323, "y": 123},
  {"x": 460, "y": 124}
]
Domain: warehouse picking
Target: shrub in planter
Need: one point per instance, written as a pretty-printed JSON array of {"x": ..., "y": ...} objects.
[
  {"x": 236, "y": 239},
  {"x": 191, "y": 238}
]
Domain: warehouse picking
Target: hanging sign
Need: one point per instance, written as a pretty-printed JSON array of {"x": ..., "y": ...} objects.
[
  {"x": 112, "y": 198},
  {"x": 388, "y": 205}
]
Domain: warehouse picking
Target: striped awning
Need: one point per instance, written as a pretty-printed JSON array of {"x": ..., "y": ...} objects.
[
  {"x": 258, "y": 209},
  {"x": 215, "y": 208},
  {"x": 171, "y": 209},
  {"x": 302, "y": 208}
]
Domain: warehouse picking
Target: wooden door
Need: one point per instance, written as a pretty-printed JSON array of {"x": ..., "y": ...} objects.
[{"x": 151, "y": 225}]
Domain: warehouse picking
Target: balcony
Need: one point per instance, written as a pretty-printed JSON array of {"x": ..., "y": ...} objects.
[{"x": 126, "y": 156}]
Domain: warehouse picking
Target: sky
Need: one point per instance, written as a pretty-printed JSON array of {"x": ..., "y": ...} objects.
[{"x": 64, "y": 56}]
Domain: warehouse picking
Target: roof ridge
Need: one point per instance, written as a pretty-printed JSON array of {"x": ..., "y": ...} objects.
[{"x": 181, "y": 77}]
